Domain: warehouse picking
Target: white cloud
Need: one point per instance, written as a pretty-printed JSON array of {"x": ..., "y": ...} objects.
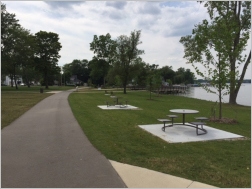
[
  {"x": 116, "y": 4},
  {"x": 162, "y": 24}
]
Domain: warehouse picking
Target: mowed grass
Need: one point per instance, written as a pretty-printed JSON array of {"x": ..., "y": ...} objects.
[
  {"x": 115, "y": 133},
  {"x": 14, "y": 102},
  {"x": 36, "y": 88}
]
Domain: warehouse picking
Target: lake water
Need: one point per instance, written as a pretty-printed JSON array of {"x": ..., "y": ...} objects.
[{"x": 243, "y": 98}]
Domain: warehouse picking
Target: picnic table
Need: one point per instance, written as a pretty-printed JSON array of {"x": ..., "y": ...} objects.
[
  {"x": 116, "y": 99},
  {"x": 184, "y": 112},
  {"x": 191, "y": 124},
  {"x": 116, "y": 102}
]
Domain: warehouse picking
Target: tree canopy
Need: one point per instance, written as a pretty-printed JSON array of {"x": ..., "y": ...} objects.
[
  {"x": 47, "y": 55},
  {"x": 22, "y": 52},
  {"x": 126, "y": 52},
  {"x": 219, "y": 44}
]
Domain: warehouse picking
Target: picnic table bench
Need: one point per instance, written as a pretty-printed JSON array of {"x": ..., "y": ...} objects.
[
  {"x": 116, "y": 102},
  {"x": 196, "y": 125},
  {"x": 165, "y": 121}
]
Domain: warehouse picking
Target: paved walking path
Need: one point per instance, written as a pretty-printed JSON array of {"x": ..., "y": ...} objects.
[{"x": 46, "y": 148}]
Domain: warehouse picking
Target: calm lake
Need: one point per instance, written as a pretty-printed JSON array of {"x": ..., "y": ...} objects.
[{"x": 243, "y": 98}]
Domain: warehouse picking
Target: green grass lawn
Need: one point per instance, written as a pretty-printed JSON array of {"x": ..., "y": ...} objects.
[
  {"x": 223, "y": 163},
  {"x": 36, "y": 88},
  {"x": 117, "y": 135},
  {"x": 15, "y": 102}
]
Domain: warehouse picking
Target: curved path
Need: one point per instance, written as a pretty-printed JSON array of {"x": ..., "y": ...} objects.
[{"x": 46, "y": 148}]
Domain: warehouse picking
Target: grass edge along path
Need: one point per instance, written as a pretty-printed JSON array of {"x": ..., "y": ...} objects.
[
  {"x": 16, "y": 104},
  {"x": 115, "y": 133}
]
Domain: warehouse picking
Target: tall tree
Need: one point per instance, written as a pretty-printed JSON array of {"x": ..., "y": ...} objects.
[
  {"x": 26, "y": 50},
  {"x": 153, "y": 78},
  {"x": 67, "y": 73},
  {"x": 103, "y": 48},
  {"x": 125, "y": 53},
  {"x": 99, "y": 70},
  {"x": 222, "y": 43},
  {"x": 47, "y": 55},
  {"x": 80, "y": 68},
  {"x": 139, "y": 72},
  {"x": 9, "y": 32},
  {"x": 167, "y": 73}
]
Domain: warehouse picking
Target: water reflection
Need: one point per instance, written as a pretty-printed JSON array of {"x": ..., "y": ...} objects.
[{"x": 243, "y": 98}]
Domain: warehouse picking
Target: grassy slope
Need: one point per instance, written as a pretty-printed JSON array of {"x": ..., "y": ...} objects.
[{"x": 117, "y": 135}]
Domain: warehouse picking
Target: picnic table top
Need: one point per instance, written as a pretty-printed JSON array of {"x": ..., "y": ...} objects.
[{"x": 184, "y": 111}]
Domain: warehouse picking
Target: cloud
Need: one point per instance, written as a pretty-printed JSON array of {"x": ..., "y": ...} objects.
[
  {"x": 116, "y": 4},
  {"x": 61, "y": 9},
  {"x": 63, "y": 4},
  {"x": 175, "y": 4},
  {"x": 150, "y": 8},
  {"x": 162, "y": 24}
]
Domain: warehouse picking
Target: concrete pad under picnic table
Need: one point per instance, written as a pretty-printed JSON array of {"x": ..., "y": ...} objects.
[
  {"x": 118, "y": 107},
  {"x": 182, "y": 133}
]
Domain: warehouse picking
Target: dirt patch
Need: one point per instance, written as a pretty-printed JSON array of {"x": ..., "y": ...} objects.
[{"x": 223, "y": 120}]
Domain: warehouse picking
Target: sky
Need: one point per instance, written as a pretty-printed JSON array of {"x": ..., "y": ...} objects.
[{"x": 162, "y": 24}]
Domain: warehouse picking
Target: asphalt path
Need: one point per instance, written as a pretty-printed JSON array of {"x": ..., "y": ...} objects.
[{"x": 46, "y": 148}]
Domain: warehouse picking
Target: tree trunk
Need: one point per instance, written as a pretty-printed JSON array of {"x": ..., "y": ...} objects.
[
  {"x": 46, "y": 80},
  {"x": 233, "y": 87},
  {"x": 220, "y": 105},
  {"x": 150, "y": 93},
  {"x": 26, "y": 79},
  {"x": 11, "y": 77},
  {"x": 15, "y": 81},
  {"x": 124, "y": 89}
]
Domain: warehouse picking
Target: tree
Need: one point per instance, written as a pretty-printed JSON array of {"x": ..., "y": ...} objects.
[
  {"x": 25, "y": 57},
  {"x": 126, "y": 52},
  {"x": 9, "y": 31},
  {"x": 167, "y": 73},
  {"x": 80, "y": 68},
  {"x": 139, "y": 72},
  {"x": 153, "y": 78},
  {"x": 47, "y": 55},
  {"x": 183, "y": 76},
  {"x": 22, "y": 55},
  {"x": 103, "y": 47},
  {"x": 220, "y": 45},
  {"x": 99, "y": 70}
]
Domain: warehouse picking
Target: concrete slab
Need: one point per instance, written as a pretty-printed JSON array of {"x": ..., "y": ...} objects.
[
  {"x": 180, "y": 133},
  {"x": 118, "y": 107},
  {"x": 138, "y": 177},
  {"x": 54, "y": 92},
  {"x": 200, "y": 185}
]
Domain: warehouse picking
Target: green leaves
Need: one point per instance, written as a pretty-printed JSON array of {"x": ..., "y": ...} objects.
[
  {"x": 103, "y": 47},
  {"x": 218, "y": 45},
  {"x": 47, "y": 55}
]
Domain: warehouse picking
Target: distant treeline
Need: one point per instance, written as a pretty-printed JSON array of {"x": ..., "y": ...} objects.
[{"x": 209, "y": 81}]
